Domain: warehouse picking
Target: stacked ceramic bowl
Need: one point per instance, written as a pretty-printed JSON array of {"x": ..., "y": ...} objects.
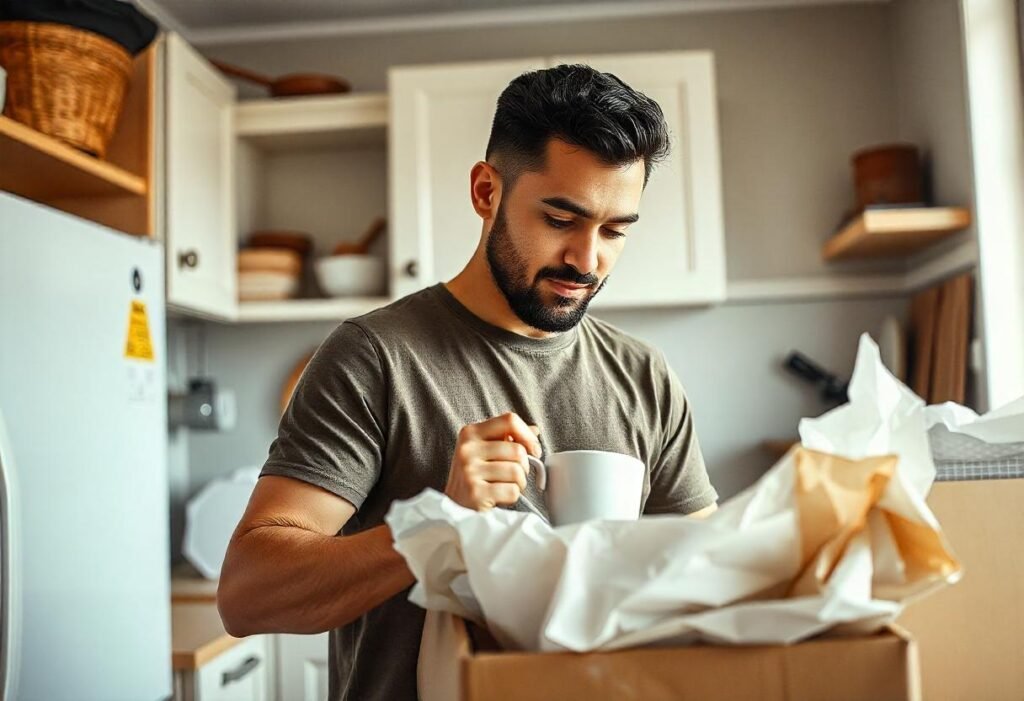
[
  {"x": 272, "y": 266},
  {"x": 266, "y": 274}
]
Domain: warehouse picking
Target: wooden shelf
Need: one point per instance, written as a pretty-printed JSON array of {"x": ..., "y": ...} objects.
[
  {"x": 338, "y": 121},
  {"x": 337, "y": 309},
  {"x": 114, "y": 191},
  {"x": 891, "y": 233},
  {"x": 41, "y": 168}
]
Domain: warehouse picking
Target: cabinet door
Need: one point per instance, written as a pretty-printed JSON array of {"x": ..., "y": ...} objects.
[
  {"x": 675, "y": 254},
  {"x": 199, "y": 166},
  {"x": 240, "y": 674},
  {"x": 440, "y": 121},
  {"x": 302, "y": 667}
]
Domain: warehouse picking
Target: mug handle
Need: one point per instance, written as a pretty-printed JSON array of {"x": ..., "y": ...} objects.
[{"x": 542, "y": 472}]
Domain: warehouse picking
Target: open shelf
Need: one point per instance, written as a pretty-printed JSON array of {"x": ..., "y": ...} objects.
[
  {"x": 896, "y": 232},
  {"x": 337, "y": 309},
  {"x": 331, "y": 149},
  {"x": 41, "y": 168},
  {"x": 114, "y": 191},
  {"x": 345, "y": 121}
]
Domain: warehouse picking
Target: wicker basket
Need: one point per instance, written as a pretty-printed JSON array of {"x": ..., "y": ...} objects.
[{"x": 65, "y": 82}]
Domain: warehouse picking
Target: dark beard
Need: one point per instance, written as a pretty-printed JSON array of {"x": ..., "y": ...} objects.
[{"x": 509, "y": 271}]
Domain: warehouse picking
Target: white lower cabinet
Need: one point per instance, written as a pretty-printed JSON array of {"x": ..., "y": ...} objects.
[
  {"x": 245, "y": 672},
  {"x": 302, "y": 667}
]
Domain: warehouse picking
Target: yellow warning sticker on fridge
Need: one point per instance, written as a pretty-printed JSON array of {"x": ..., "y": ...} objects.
[{"x": 139, "y": 344}]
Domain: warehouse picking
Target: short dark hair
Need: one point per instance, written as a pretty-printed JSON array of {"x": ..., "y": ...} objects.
[{"x": 580, "y": 106}]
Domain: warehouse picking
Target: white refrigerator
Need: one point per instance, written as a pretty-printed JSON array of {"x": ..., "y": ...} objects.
[{"x": 84, "y": 552}]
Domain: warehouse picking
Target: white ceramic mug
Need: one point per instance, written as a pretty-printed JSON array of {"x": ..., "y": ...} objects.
[{"x": 580, "y": 485}]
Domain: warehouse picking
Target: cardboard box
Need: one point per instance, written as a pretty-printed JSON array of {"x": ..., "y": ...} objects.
[
  {"x": 971, "y": 635},
  {"x": 456, "y": 665}
]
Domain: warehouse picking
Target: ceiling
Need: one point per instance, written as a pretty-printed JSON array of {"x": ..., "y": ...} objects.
[
  {"x": 223, "y": 13},
  {"x": 211, "y": 21}
]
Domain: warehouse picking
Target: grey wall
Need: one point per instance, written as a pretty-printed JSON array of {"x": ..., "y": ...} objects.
[
  {"x": 931, "y": 98},
  {"x": 931, "y": 101},
  {"x": 727, "y": 357},
  {"x": 799, "y": 91},
  {"x": 931, "y": 111},
  {"x": 180, "y": 480}
]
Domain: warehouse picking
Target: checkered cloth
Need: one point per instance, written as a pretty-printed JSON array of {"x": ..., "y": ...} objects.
[{"x": 961, "y": 457}]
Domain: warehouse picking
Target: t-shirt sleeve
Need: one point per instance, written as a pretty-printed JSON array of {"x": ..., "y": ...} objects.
[
  {"x": 679, "y": 478},
  {"x": 332, "y": 433}
]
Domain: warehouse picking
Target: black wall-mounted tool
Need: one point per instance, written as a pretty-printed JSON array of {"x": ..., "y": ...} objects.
[{"x": 832, "y": 388}]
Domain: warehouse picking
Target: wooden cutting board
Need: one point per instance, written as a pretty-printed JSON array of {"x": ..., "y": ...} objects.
[
  {"x": 924, "y": 308},
  {"x": 952, "y": 335},
  {"x": 940, "y": 326}
]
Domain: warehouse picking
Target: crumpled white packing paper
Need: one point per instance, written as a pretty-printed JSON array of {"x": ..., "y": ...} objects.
[
  {"x": 730, "y": 578},
  {"x": 959, "y": 434}
]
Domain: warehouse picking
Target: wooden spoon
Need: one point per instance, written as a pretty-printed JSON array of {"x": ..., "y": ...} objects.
[
  {"x": 362, "y": 246},
  {"x": 292, "y": 85}
]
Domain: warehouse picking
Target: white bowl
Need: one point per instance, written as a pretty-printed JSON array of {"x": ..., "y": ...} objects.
[
  {"x": 254, "y": 286},
  {"x": 351, "y": 275}
]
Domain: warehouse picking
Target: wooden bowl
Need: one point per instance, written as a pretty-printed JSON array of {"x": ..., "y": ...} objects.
[
  {"x": 888, "y": 174},
  {"x": 298, "y": 241},
  {"x": 269, "y": 260},
  {"x": 276, "y": 260}
]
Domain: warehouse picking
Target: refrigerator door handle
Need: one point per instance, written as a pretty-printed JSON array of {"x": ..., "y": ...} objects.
[{"x": 10, "y": 584}]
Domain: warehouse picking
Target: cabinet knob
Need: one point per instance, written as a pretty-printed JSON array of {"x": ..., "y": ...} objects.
[
  {"x": 188, "y": 259},
  {"x": 412, "y": 269}
]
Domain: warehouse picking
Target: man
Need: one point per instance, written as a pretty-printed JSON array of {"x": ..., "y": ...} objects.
[{"x": 452, "y": 386}]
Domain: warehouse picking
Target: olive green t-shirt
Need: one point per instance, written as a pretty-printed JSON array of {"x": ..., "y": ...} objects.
[{"x": 376, "y": 415}]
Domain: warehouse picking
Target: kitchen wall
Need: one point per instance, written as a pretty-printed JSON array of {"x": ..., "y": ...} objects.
[
  {"x": 931, "y": 112},
  {"x": 930, "y": 93},
  {"x": 799, "y": 91},
  {"x": 727, "y": 357},
  {"x": 180, "y": 481}
]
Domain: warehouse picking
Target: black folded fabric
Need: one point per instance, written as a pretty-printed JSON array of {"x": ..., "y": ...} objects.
[{"x": 118, "y": 21}]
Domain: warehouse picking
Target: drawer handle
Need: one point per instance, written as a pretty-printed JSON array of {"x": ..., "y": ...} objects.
[{"x": 240, "y": 671}]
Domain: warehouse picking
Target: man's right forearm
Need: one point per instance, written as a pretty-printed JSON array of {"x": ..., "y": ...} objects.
[{"x": 281, "y": 578}]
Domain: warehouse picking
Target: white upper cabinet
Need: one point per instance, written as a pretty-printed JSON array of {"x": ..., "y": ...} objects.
[
  {"x": 199, "y": 180},
  {"x": 441, "y": 119},
  {"x": 675, "y": 254}
]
